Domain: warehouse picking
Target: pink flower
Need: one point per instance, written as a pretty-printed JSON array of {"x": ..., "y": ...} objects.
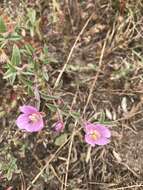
[
  {"x": 96, "y": 134},
  {"x": 58, "y": 126},
  {"x": 30, "y": 120}
]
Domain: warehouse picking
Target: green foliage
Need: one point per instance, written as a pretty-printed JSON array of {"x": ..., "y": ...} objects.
[
  {"x": 32, "y": 23},
  {"x": 61, "y": 139},
  {"x": 9, "y": 168},
  {"x": 29, "y": 49},
  {"x": 31, "y": 16},
  {"x": 2, "y": 26},
  {"x": 16, "y": 57},
  {"x": 13, "y": 64}
]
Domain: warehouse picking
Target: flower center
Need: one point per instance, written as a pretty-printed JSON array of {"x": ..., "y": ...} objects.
[
  {"x": 95, "y": 135},
  {"x": 34, "y": 117}
]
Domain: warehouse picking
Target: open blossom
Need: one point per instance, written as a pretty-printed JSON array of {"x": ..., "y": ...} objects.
[
  {"x": 30, "y": 119},
  {"x": 96, "y": 134},
  {"x": 58, "y": 126}
]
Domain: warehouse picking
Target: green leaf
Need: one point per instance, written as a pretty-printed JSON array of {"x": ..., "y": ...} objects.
[
  {"x": 46, "y": 51},
  {"x": 52, "y": 107},
  {"x": 2, "y": 26},
  {"x": 9, "y": 74},
  {"x": 1, "y": 38},
  {"x": 61, "y": 139},
  {"x": 102, "y": 117},
  {"x": 27, "y": 82},
  {"x": 45, "y": 74},
  {"x": 11, "y": 67},
  {"x": 30, "y": 49},
  {"x": 8, "y": 169},
  {"x": 16, "y": 57},
  {"x": 32, "y": 31},
  {"x": 28, "y": 73},
  {"x": 12, "y": 79},
  {"x": 47, "y": 97},
  {"x": 14, "y": 37},
  {"x": 37, "y": 29},
  {"x": 32, "y": 16},
  {"x": 75, "y": 115},
  {"x": 12, "y": 167}
]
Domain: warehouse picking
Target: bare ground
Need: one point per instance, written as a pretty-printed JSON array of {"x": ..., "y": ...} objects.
[{"x": 95, "y": 54}]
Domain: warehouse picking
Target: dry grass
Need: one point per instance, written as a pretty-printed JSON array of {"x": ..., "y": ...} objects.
[{"x": 95, "y": 69}]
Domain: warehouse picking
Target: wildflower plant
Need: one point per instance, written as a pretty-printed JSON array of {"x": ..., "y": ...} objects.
[
  {"x": 96, "y": 134},
  {"x": 31, "y": 120},
  {"x": 58, "y": 126}
]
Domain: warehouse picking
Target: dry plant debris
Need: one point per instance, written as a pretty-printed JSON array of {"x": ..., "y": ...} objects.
[{"x": 75, "y": 61}]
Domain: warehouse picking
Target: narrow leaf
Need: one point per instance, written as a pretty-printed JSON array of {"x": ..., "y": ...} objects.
[
  {"x": 2, "y": 26},
  {"x": 16, "y": 57},
  {"x": 32, "y": 16}
]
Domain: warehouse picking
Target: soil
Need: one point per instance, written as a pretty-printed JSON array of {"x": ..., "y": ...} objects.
[{"x": 115, "y": 100}]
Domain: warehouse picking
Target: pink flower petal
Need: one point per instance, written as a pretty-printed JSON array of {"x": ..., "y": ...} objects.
[
  {"x": 34, "y": 127},
  {"x": 89, "y": 140},
  {"x": 89, "y": 127},
  {"x": 58, "y": 126},
  {"x": 23, "y": 123},
  {"x": 104, "y": 131},
  {"x": 91, "y": 130},
  {"x": 28, "y": 109},
  {"x": 102, "y": 141}
]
